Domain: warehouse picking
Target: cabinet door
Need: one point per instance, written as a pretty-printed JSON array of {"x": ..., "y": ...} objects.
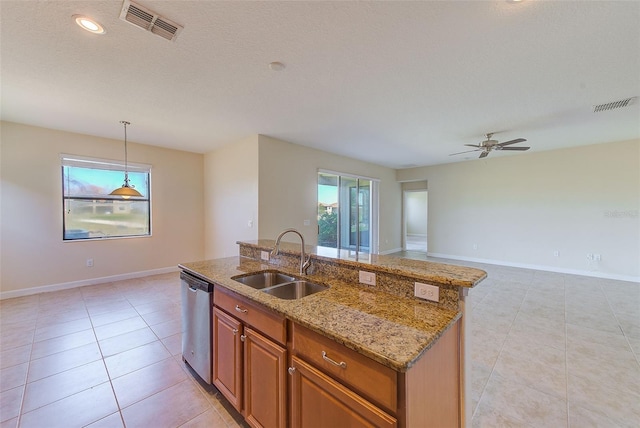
[
  {"x": 227, "y": 357},
  {"x": 265, "y": 365},
  {"x": 319, "y": 401}
]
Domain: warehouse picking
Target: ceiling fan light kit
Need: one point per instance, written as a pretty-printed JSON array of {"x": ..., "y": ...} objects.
[{"x": 489, "y": 145}]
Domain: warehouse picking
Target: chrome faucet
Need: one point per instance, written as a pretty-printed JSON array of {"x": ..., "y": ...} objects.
[{"x": 305, "y": 262}]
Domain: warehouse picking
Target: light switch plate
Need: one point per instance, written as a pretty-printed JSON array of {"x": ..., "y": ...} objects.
[
  {"x": 427, "y": 291},
  {"x": 264, "y": 255},
  {"x": 367, "y": 277}
]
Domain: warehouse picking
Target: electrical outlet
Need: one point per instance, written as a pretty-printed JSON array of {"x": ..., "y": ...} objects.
[
  {"x": 89, "y": 262},
  {"x": 556, "y": 253},
  {"x": 475, "y": 246},
  {"x": 590, "y": 256},
  {"x": 597, "y": 257},
  {"x": 306, "y": 222},
  {"x": 367, "y": 277},
  {"x": 264, "y": 255},
  {"x": 427, "y": 291}
]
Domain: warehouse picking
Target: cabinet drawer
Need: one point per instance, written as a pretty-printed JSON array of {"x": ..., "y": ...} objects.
[
  {"x": 261, "y": 319},
  {"x": 369, "y": 378}
]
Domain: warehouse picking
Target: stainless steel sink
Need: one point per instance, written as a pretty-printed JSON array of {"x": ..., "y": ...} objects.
[
  {"x": 295, "y": 290},
  {"x": 280, "y": 285},
  {"x": 264, "y": 279}
]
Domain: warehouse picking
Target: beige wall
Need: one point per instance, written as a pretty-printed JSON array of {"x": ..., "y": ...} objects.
[
  {"x": 32, "y": 251},
  {"x": 273, "y": 184},
  {"x": 231, "y": 197},
  {"x": 288, "y": 192},
  {"x": 520, "y": 209}
]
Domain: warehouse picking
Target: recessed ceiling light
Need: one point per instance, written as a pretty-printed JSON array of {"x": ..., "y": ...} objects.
[
  {"x": 276, "y": 66},
  {"x": 89, "y": 24}
]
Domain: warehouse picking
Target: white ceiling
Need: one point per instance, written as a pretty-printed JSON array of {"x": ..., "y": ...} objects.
[{"x": 394, "y": 83}]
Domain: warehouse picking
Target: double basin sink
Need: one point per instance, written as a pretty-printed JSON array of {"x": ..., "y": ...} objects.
[{"x": 280, "y": 285}]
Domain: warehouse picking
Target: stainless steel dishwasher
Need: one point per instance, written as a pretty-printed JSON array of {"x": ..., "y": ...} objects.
[{"x": 197, "y": 299}]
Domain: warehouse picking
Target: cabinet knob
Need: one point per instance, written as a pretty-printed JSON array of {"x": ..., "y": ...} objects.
[
  {"x": 243, "y": 337},
  {"x": 235, "y": 331},
  {"x": 291, "y": 370}
]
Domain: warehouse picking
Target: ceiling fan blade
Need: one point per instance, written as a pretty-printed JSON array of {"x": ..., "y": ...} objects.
[
  {"x": 515, "y": 148},
  {"x": 473, "y": 145},
  {"x": 506, "y": 143},
  {"x": 484, "y": 154},
  {"x": 468, "y": 151}
]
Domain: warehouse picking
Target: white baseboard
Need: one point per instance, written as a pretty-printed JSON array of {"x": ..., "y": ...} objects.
[
  {"x": 84, "y": 282},
  {"x": 393, "y": 250},
  {"x": 594, "y": 274}
]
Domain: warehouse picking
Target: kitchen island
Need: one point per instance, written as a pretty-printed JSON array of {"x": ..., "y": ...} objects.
[{"x": 383, "y": 322}]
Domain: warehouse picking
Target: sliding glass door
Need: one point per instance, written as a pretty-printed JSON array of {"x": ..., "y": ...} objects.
[{"x": 346, "y": 211}]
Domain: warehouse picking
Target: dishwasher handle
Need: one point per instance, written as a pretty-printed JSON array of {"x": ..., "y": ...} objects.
[{"x": 196, "y": 284}]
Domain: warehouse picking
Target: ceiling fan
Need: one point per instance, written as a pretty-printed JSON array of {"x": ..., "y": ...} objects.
[{"x": 488, "y": 145}]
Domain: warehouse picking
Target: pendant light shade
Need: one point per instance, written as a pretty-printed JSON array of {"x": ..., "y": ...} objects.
[{"x": 127, "y": 190}]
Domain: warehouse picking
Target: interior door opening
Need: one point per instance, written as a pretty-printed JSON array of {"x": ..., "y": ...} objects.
[{"x": 415, "y": 204}]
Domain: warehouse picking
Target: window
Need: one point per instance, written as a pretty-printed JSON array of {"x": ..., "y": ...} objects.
[
  {"x": 90, "y": 212},
  {"x": 347, "y": 212}
]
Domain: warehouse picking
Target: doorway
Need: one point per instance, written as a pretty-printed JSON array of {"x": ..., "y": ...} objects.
[{"x": 415, "y": 208}]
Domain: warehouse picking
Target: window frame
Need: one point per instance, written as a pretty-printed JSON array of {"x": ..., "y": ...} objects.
[{"x": 77, "y": 161}]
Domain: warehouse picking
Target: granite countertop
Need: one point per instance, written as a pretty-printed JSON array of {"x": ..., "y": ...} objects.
[
  {"x": 441, "y": 273},
  {"x": 393, "y": 330}
]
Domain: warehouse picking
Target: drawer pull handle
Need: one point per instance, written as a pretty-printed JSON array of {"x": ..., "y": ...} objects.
[
  {"x": 239, "y": 309},
  {"x": 291, "y": 370},
  {"x": 341, "y": 364}
]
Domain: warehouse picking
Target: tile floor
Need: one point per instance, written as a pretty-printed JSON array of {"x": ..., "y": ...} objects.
[
  {"x": 102, "y": 356},
  {"x": 549, "y": 350},
  {"x": 553, "y": 350}
]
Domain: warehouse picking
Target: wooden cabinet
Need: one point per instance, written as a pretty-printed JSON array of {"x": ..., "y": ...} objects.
[
  {"x": 272, "y": 325},
  {"x": 368, "y": 378},
  {"x": 429, "y": 392},
  {"x": 249, "y": 366},
  {"x": 333, "y": 385},
  {"x": 319, "y": 401},
  {"x": 227, "y": 357},
  {"x": 265, "y": 381},
  {"x": 329, "y": 384}
]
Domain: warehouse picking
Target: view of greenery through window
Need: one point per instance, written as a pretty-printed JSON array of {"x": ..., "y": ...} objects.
[
  {"x": 327, "y": 215},
  {"x": 344, "y": 207},
  {"x": 89, "y": 210}
]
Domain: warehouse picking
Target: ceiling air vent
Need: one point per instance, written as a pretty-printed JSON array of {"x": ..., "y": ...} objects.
[
  {"x": 149, "y": 20},
  {"x": 614, "y": 105}
]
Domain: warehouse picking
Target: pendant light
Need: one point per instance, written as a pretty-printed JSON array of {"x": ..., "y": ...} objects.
[{"x": 127, "y": 190}]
